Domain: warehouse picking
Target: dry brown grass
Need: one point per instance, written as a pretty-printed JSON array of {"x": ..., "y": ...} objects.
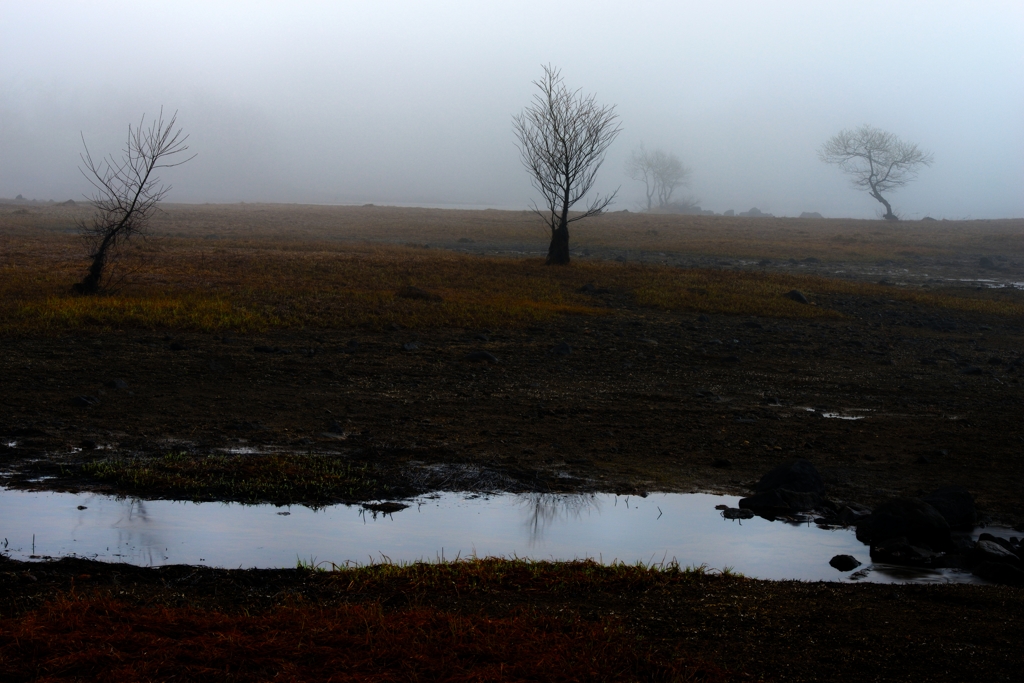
[{"x": 313, "y": 267}]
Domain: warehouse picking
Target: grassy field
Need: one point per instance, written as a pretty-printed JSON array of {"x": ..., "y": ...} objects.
[{"x": 252, "y": 268}]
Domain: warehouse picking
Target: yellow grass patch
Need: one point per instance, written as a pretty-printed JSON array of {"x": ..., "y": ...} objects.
[{"x": 252, "y": 281}]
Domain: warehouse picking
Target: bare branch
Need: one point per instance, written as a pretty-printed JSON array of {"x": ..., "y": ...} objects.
[
  {"x": 562, "y": 138},
  {"x": 876, "y": 160},
  {"x": 127, "y": 191}
]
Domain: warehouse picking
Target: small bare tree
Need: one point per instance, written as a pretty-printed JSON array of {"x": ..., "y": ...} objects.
[
  {"x": 127, "y": 192},
  {"x": 563, "y": 137},
  {"x": 878, "y": 161},
  {"x": 661, "y": 173}
]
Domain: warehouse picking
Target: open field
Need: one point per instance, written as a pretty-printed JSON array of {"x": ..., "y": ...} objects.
[{"x": 324, "y": 354}]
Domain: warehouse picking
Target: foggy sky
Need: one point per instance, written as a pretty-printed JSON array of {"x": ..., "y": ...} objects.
[{"x": 410, "y": 102}]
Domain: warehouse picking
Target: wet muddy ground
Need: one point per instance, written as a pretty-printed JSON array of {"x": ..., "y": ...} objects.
[{"x": 890, "y": 400}]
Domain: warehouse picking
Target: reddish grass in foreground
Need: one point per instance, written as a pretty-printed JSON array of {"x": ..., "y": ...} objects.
[{"x": 104, "y": 639}]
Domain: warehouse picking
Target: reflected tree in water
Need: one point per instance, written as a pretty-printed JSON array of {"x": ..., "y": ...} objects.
[{"x": 542, "y": 510}]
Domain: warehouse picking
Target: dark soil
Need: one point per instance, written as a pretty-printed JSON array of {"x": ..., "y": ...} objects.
[
  {"x": 756, "y": 630},
  {"x": 643, "y": 401}
]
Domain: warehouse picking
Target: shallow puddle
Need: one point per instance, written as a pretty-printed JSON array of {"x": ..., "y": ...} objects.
[{"x": 685, "y": 528}]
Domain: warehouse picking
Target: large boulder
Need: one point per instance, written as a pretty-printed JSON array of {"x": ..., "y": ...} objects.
[
  {"x": 955, "y": 504},
  {"x": 799, "y": 476},
  {"x": 909, "y": 518}
]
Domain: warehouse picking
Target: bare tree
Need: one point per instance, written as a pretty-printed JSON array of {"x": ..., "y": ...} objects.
[
  {"x": 126, "y": 191},
  {"x": 563, "y": 137},
  {"x": 661, "y": 173},
  {"x": 877, "y": 160}
]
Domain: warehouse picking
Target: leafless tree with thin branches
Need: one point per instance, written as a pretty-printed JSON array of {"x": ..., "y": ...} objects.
[
  {"x": 563, "y": 137},
  {"x": 878, "y": 161},
  {"x": 127, "y": 191},
  {"x": 661, "y": 173}
]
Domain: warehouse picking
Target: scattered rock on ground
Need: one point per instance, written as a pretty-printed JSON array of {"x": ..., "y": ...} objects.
[
  {"x": 955, "y": 504},
  {"x": 561, "y": 349},
  {"x": 799, "y": 475},
  {"x": 797, "y": 296},
  {"x": 911, "y": 519},
  {"x": 844, "y": 563},
  {"x": 737, "y": 513}
]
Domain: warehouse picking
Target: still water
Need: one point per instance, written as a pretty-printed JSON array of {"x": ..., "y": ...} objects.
[{"x": 684, "y": 528}]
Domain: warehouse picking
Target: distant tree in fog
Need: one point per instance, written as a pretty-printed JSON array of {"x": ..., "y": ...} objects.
[
  {"x": 660, "y": 173},
  {"x": 127, "y": 192},
  {"x": 878, "y": 161},
  {"x": 563, "y": 137}
]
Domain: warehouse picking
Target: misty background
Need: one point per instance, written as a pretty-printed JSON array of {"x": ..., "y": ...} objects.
[{"x": 411, "y": 102}]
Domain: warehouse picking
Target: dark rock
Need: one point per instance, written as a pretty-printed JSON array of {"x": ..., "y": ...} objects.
[
  {"x": 411, "y": 346},
  {"x": 797, "y": 296},
  {"x": 851, "y": 514},
  {"x": 482, "y": 337},
  {"x": 990, "y": 551},
  {"x": 753, "y": 324},
  {"x": 411, "y": 292},
  {"x": 177, "y": 346},
  {"x": 802, "y": 501},
  {"x": 266, "y": 349},
  {"x": 480, "y": 357},
  {"x": 561, "y": 349},
  {"x": 844, "y": 563},
  {"x": 88, "y": 444},
  {"x": 798, "y": 476},
  {"x": 737, "y": 513},
  {"x": 911, "y": 519},
  {"x": 955, "y": 504},
  {"x": 766, "y": 504},
  {"x": 117, "y": 384},
  {"x": 900, "y": 551},
  {"x": 384, "y": 508},
  {"x": 999, "y": 572},
  {"x": 352, "y": 346},
  {"x": 972, "y": 370},
  {"x": 85, "y": 401},
  {"x": 986, "y": 262},
  {"x": 811, "y": 259},
  {"x": 591, "y": 288},
  {"x": 721, "y": 463}
]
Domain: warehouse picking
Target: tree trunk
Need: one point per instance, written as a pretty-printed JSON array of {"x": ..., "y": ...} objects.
[
  {"x": 90, "y": 284},
  {"x": 889, "y": 215},
  {"x": 558, "y": 252}
]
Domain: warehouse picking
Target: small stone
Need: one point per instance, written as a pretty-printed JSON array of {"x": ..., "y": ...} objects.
[
  {"x": 561, "y": 349},
  {"x": 84, "y": 401},
  {"x": 737, "y": 513},
  {"x": 351, "y": 347},
  {"x": 844, "y": 563},
  {"x": 88, "y": 444},
  {"x": 411, "y": 346},
  {"x": 117, "y": 384},
  {"x": 480, "y": 357},
  {"x": 721, "y": 463},
  {"x": 797, "y": 296},
  {"x": 177, "y": 346},
  {"x": 703, "y": 318},
  {"x": 411, "y": 292},
  {"x": 82, "y": 507}
]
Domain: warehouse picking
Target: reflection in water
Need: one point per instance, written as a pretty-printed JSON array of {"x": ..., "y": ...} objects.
[
  {"x": 660, "y": 527},
  {"x": 544, "y": 509}
]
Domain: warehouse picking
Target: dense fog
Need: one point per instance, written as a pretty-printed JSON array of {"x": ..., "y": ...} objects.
[{"x": 411, "y": 102}]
